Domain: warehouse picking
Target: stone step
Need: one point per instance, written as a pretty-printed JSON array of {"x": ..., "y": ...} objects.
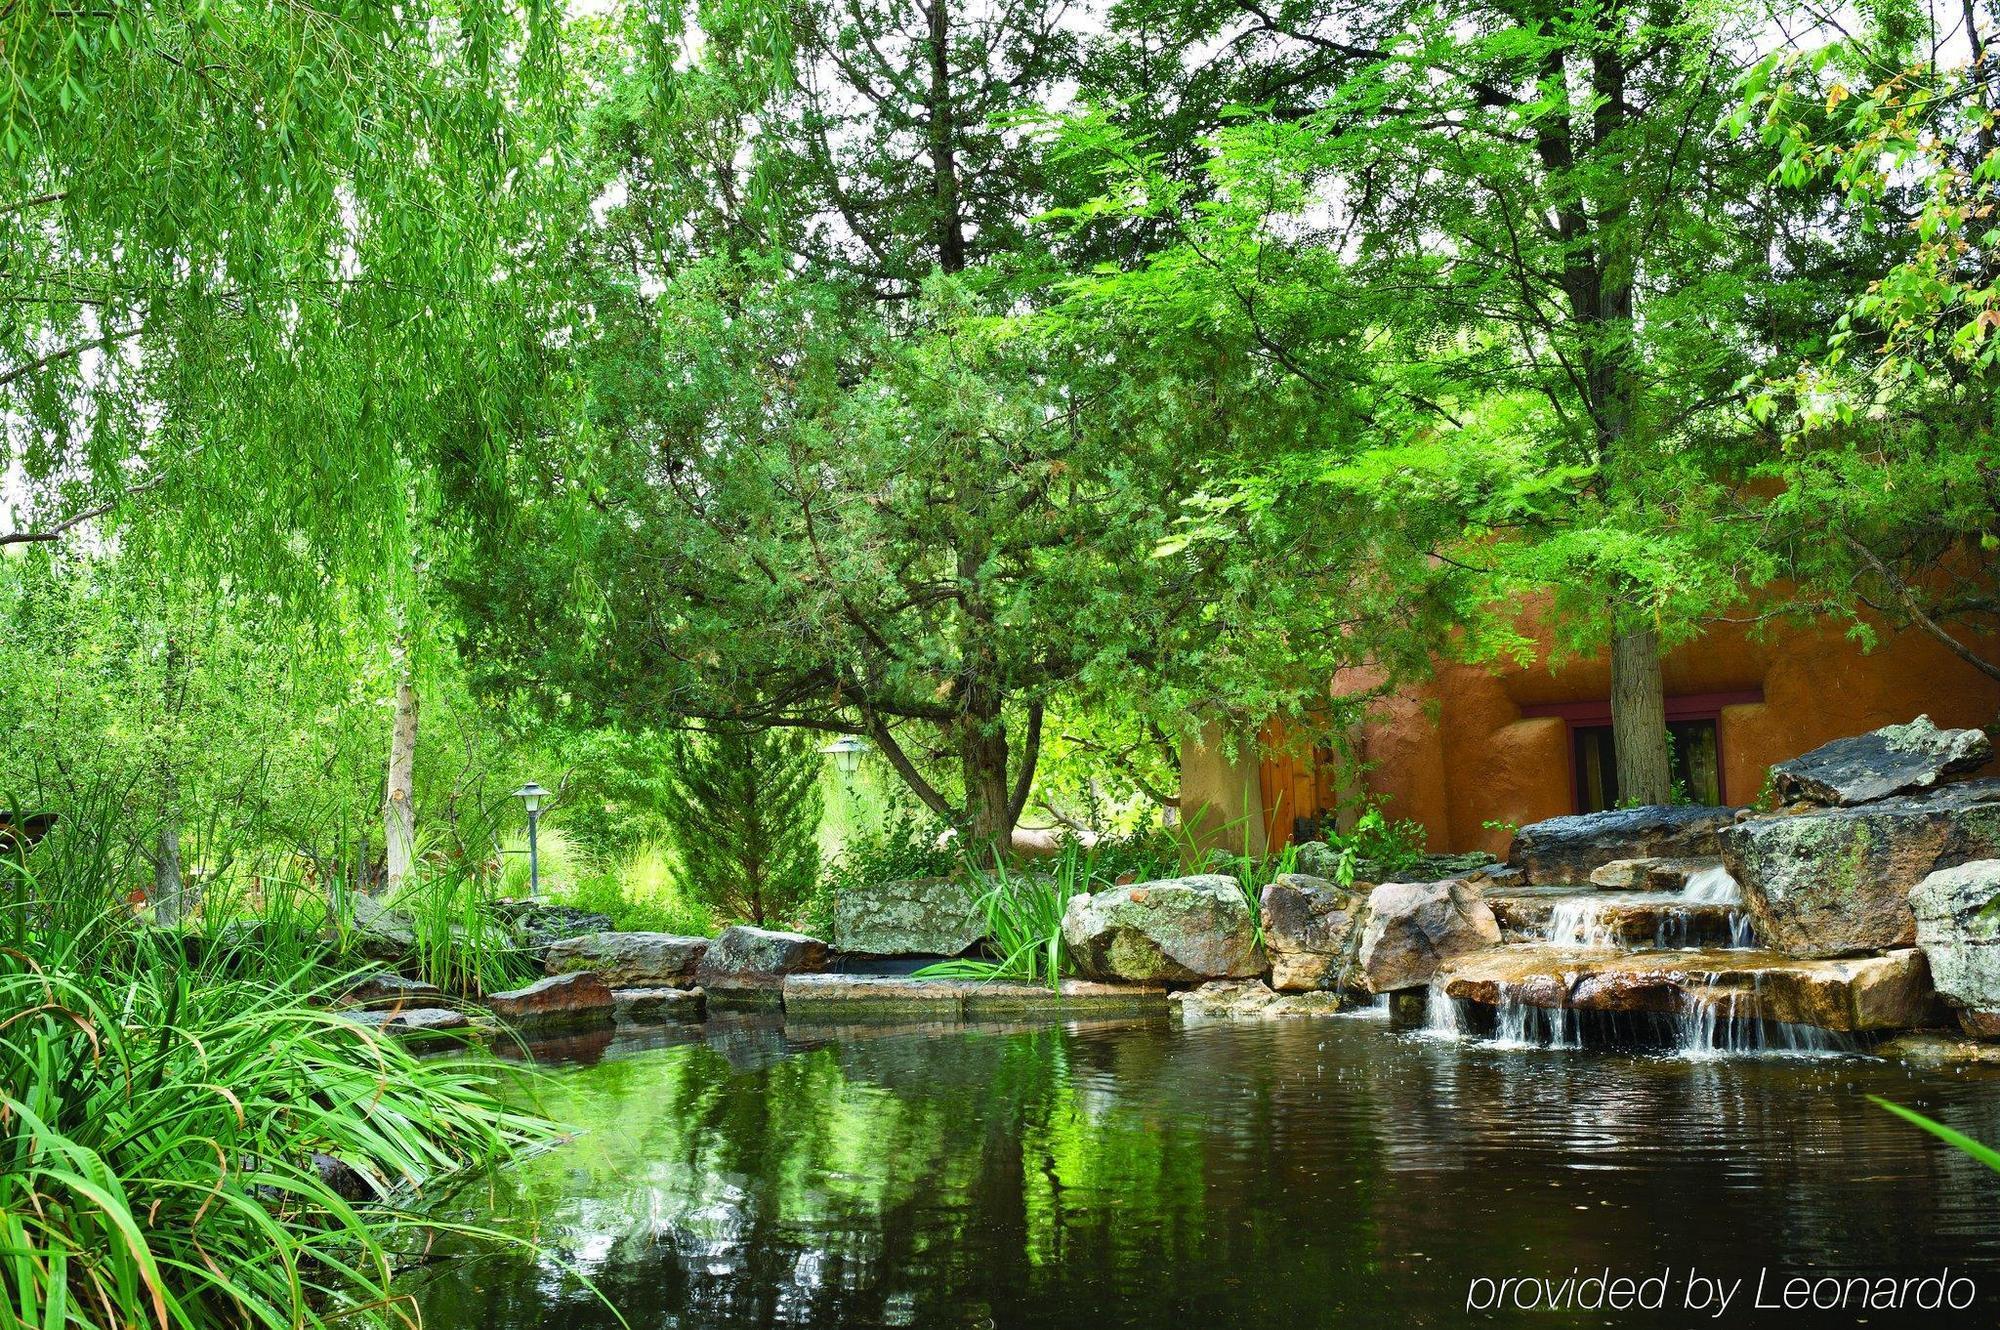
[
  {"x": 1624, "y": 920},
  {"x": 1859, "y": 994},
  {"x": 846, "y": 997}
]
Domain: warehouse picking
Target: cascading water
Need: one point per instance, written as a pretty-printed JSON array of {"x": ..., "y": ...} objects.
[
  {"x": 1442, "y": 1018},
  {"x": 1712, "y": 886},
  {"x": 1581, "y": 921},
  {"x": 1715, "y": 886},
  {"x": 1522, "y": 1025},
  {"x": 1721, "y": 1023}
]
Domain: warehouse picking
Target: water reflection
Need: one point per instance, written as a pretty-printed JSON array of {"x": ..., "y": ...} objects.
[{"x": 1305, "y": 1173}]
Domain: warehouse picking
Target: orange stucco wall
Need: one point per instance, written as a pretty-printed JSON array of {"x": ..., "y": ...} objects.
[{"x": 1458, "y": 753}]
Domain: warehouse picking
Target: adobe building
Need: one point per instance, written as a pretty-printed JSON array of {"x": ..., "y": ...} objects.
[{"x": 1481, "y": 749}]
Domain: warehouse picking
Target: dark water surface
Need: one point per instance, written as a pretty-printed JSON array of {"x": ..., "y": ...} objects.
[{"x": 1306, "y": 1173}]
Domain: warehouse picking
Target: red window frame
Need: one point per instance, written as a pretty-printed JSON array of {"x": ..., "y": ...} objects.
[{"x": 1686, "y": 706}]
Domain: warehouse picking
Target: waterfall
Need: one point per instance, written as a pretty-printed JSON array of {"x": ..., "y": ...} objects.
[
  {"x": 1377, "y": 1008},
  {"x": 1712, "y": 886},
  {"x": 1442, "y": 1018},
  {"x": 1523, "y": 1025},
  {"x": 1722, "y": 1024},
  {"x": 1579, "y": 921}
]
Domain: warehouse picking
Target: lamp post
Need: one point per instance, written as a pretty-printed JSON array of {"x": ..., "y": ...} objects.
[
  {"x": 846, "y": 753},
  {"x": 532, "y": 795}
]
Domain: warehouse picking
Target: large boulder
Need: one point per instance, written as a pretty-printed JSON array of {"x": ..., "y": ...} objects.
[
  {"x": 630, "y": 960},
  {"x": 388, "y": 990},
  {"x": 378, "y": 932},
  {"x": 654, "y": 1006},
  {"x": 925, "y": 916},
  {"x": 1895, "y": 759},
  {"x": 746, "y": 966},
  {"x": 1836, "y": 881},
  {"x": 411, "y": 1020},
  {"x": 1958, "y": 927},
  {"x": 1415, "y": 926},
  {"x": 1312, "y": 929},
  {"x": 1567, "y": 850},
  {"x": 1177, "y": 930}
]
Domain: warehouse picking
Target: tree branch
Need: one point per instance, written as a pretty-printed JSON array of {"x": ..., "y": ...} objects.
[
  {"x": 1031, "y": 754},
  {"x": 1924, "y": 621},
  {"x": 74, "y": 520},
  {"x": 68, "y": 353}
]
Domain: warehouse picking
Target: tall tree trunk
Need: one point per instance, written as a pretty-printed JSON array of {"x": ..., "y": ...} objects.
[
  {"x": 169, "y": 883},
  {"x": 944, "y": 142},
  {"x": 399, "y": 814},
  {"x": 982, "y": 752},
  {"x": 1599, "y": 267},
  {"x": 170, "y": 905},
  {"x": 1639, "y": 717}
]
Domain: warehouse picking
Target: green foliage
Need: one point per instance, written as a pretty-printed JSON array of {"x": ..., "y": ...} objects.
[
  {"x": 1883, "y": 466},
  {"x": 642, "y": 893},
  {"x": 173, "y": 1134},
  {"x": 260, "y": 266},
  {"x": 742, "y": 811},
  {"x": 461, "y": 946},
  {"x": 1023, "y": 913},
  {"x": 1958, "y": 1140}
]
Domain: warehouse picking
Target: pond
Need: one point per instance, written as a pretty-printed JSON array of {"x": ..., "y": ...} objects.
[{"x": 1317, "y": 1172}]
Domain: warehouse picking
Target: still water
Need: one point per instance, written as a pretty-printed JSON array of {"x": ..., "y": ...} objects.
[{"x": 1308, "y": 1173}]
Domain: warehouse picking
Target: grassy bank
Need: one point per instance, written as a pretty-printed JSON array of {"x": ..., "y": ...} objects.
[{"x": 189, "y": 1137}]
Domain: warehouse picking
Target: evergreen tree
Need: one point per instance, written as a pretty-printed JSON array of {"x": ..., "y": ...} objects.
[{"x": 742, "y": 812}]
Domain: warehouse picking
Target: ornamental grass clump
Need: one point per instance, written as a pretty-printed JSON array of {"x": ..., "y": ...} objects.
[{"x": 186, "y": 1144}]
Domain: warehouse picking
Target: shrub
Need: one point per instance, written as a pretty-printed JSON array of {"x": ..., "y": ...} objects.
[{"x": 742, "y": 812}]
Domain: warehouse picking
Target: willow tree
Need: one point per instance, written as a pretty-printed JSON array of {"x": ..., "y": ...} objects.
[{"x": 258, "y": 285}]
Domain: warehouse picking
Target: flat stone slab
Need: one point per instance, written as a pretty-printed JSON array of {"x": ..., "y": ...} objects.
[
  {"x": 1662, "y": 920},
  {"x": 411, "y": 1020},
  {"x": 1895, "y": 759},
  {"x": 849, "y": 997},
  {"x": 1864, "y": 993},
  {"x": 1569, "y": 849},
  {"x": 656, "y": 1006},
  {"x": 393, "y": 990},
  {"x": 1250, "y": 1000},
  {"x": 563, "y": 999},
  {"x": 995, "y": 998},
  {"x": 1938, "y": 1052},
  {"x": 1650, "y": 874}
]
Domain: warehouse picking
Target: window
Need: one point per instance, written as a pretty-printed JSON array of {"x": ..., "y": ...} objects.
[
  {"x": 1696, "y": 764},
  {"x": 1693, "y": 725}
]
